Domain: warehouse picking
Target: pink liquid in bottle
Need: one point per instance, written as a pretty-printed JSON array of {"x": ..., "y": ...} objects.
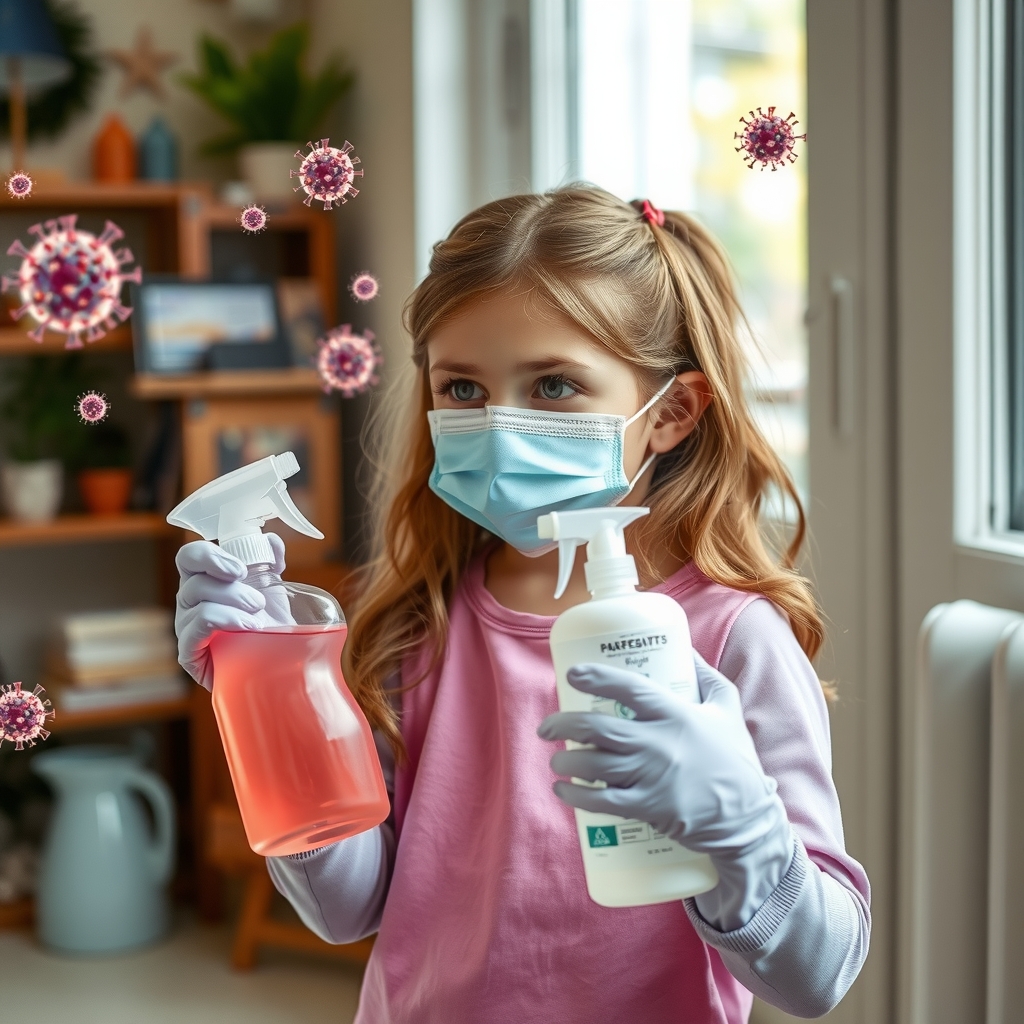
[{"x": 300, "y": 751}]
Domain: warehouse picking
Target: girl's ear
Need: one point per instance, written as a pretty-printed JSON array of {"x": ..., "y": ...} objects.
[{"x": 680, "y": 410}]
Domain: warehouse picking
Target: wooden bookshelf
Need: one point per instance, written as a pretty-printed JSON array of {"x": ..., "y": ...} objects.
[
  {"x": 72, "y": 529},
  {"x": 14, "y": 341},
  {"x": 293, "y": 380}
]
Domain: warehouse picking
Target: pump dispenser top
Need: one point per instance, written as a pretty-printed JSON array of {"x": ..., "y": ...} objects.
[
  {"x": 608, "y": 566},
  {"x": 233, "y": 508}
]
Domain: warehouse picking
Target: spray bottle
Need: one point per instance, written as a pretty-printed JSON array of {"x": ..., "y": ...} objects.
[
  {"x": 300, "y": 751},
  {"x": 627, "y": 863}
]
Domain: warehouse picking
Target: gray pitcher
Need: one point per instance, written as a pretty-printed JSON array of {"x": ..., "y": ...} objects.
[{"x": 102, "y": 878}]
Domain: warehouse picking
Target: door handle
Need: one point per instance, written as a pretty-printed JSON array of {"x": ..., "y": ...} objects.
[{"x": 844, "y": 357}]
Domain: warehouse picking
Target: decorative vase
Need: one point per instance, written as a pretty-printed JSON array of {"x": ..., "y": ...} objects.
[
  {"x": 106, "y": 492},
  {"x": 158, "y": 152},
  {"x": 32, "y": 490},
  {"x": 265, "y": 166},
  {"x": 113, "y": 154}
]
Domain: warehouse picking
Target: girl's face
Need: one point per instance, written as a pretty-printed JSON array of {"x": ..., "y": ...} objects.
[{"x": 503, "y": 350}]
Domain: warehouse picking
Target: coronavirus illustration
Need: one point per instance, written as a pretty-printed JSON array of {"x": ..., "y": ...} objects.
[
  {"x": 253, "y": 219},
  {"x": 19, "y": 185},
  {"x": 23, "y": 716},
  {"x": 70, "y": 280},
  {"x": 327, "y": 173},
  {"x": 364, "y": 287},
  {"x": 767, "y": 139},
  {"x": 348, "y": 362},
  {"x": 92, "y": 407}
]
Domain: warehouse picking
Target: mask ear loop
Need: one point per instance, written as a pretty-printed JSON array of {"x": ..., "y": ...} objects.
[
  {"x": 640, "y": 412},
  {"x": 632, "y": 419}
]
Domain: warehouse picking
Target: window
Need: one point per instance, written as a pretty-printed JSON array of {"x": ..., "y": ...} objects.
[
  {"x": 989, "y": 275},
  {"x": 659, "y": 89}
]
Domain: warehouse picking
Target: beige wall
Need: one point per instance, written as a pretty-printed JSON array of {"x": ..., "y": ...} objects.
[{"x": 376, "y": 230}]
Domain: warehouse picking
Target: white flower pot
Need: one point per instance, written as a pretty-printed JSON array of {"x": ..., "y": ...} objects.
[
  {"x": 32, "y": 490},
  {"x": 265, "y": 167}
]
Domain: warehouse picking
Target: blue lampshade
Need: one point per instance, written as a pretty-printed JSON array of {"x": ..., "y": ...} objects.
[{"x": 26, "y": 32}]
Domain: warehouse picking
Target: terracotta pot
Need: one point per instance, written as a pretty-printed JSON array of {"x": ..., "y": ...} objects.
[{"x": 106, "y": 492}]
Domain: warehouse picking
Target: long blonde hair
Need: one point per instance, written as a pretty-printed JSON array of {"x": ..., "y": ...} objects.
[{"x": 660, "y": 297}]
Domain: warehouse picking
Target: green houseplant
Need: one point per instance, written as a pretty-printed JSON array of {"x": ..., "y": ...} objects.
[
  {"x": 42, "y": 433},
  {"x": 272, "y": 104}
]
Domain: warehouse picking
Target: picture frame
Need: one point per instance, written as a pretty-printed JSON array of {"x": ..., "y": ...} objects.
[
  {"x": 221, "y": 434},
  {"x": 182, "y": 326}
]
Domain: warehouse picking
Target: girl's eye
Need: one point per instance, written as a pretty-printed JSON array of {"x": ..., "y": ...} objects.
[
  {"x": 463, "y": 390},
  {"x": 552, "y": 388}
]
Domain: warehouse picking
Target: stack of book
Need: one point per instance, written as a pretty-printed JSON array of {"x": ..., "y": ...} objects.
[{"x": 115, "y": 658}]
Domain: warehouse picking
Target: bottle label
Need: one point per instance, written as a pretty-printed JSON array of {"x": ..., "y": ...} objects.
[{"x": 664, "y": 656}]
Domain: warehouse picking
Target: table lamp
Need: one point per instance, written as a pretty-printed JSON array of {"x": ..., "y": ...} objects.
[{"x": 31, "y": 58}]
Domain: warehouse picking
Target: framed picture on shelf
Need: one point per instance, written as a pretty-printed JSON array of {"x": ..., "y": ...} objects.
[
  {"x": 181, "y": 326},
  {"x": 222, "y": 434}
]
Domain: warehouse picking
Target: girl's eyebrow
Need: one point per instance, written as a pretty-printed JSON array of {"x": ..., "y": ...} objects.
[
  {"x": 551, "y": 363},
  {"x": 442, "y": 364},
  {"x": 548, "y": 363}
]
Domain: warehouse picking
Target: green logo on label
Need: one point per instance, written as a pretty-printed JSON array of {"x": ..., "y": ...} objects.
[{"x": 602, "y": 835}]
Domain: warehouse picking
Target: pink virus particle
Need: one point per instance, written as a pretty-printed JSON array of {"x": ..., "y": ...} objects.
[
  {"x": 364, "y": 287},
  {"x": 23, "y": 716},
  {"x": 19, "y": 185},
  {"x": 70, "y": 280},
  {"x": 348, "y": 362},
  {"x": 767, "y": 139},
  {"x": 327, "y": 173},
  {"x": 92, "y": 407},
  {"x": 253, "y": 219}
]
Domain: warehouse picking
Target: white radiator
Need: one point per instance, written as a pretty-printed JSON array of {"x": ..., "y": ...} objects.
[{"x": 965, "y": 862}]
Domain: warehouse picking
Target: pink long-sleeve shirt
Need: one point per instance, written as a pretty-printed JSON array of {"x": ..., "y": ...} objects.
[{"x": 479, "y": 893}]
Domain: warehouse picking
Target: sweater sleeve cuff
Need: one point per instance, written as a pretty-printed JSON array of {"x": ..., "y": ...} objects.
[{"x": 760, "y": 929}]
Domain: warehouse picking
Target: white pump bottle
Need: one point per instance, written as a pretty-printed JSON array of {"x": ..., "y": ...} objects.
[{"x": 627, "y": 863}]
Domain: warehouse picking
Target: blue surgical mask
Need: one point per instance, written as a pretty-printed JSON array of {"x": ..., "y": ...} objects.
[{"x": 503, "y": 467}]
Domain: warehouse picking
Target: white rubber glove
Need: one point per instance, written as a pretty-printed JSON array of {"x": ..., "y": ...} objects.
[
  {"x": 212, "y": 598},
  {"x": 688, "y": 769}
]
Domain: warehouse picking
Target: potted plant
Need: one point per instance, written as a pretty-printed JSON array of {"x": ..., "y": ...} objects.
[
  {"x": 41, "y": 434},
  {"x": 105, "y": 476},
  {"x": 273, "y": 105}
]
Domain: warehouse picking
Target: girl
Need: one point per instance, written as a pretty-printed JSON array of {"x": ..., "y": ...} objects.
[{"x": 539, "y": 312}]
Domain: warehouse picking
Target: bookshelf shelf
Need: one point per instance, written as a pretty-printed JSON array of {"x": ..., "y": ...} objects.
[
  {"x": 128, "y": 714},
  {"x": 71, "y": 529},
  {"x": 47, "y": 195},
  {"x": 14, "y": 341},
  {"x": 295, "y": 380}
]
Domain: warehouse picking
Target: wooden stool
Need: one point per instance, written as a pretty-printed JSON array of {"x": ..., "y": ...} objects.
[{"x": 228, "y": 849}]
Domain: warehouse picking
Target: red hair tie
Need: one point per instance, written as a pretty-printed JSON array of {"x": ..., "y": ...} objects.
[{"x": 652, "y": 214}]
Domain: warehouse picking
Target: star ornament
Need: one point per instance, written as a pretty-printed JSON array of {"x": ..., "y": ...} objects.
[{"x": 143, "y": 65}]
